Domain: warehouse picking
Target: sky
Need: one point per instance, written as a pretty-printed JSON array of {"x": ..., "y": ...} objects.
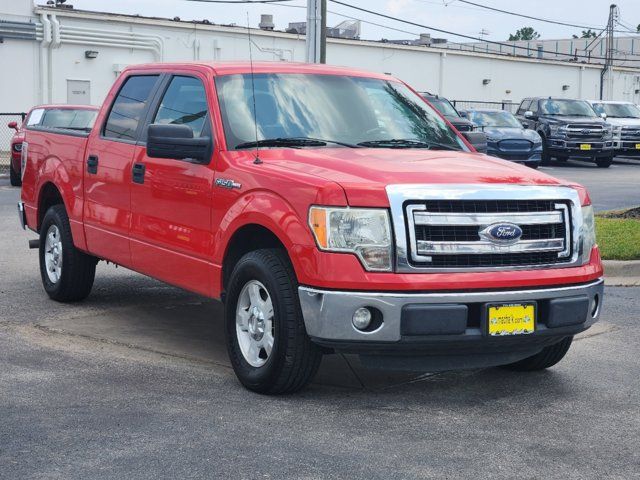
[{"x": 452, "y": 15}]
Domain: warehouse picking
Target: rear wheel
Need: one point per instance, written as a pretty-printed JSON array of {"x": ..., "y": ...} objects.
[
  {"x": 548, "y": 357},
  {"x": 67, "y": 273},
  {"x": 266, "y": 339},
  {"x": 14, "y": 177}
]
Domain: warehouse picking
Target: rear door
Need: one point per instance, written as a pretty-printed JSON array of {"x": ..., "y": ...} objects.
[
  {"x": 107, "y": 166},
  {"x": 171, "y": 236}
]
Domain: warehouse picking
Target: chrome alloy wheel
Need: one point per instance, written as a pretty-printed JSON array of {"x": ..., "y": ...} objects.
[
  {"x": 53, "y": 254},
  {"x": 254, "y": 323}
]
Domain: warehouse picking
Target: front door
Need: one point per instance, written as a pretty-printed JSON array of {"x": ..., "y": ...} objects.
[
  {"x": 171, "y": 236},
  {"x": 107, "y": 163}
]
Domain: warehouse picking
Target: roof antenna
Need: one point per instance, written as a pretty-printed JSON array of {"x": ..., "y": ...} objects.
[{"x": 257, "y": 160}]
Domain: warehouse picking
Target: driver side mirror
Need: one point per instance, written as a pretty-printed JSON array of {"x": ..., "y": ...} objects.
[
  {"x": 603, "y": 116},
  {"x": 477, "y": 139},
  {"x": 13, "y": 125},
  {"x": 176, "y": 142},
  {"x": 530, "y": 115}
]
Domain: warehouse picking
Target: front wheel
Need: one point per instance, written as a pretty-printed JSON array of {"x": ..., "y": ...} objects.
[
  {"x": 546, "y": 156},
  {"x": 604, "y": 162},
  {"x": 266, "y": 339},
  {"x": 546, "y": 358},
  {"x": 67, "y": 273}
]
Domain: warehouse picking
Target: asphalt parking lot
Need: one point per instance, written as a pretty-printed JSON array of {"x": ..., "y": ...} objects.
[{"x": 134, "y": 382}]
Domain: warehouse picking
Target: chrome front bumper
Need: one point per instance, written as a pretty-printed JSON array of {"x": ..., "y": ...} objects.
[{"x": 562, "y": 311}]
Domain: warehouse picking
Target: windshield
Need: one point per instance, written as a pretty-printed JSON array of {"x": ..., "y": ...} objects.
[
  {"x": 494, "y": 119},
  {"x": 333, "y": 108},
  {"x": 617, "y": 110},
  {"x": 444, "y": 107},
  {"x": 572, "y": 108}
]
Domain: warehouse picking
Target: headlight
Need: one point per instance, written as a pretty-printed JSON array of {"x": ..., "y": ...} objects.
[
  {"x": 617, "y": 132},
  {"x": 608, "y": 132},
  {"x": 558, "y": 129},
  {"x": 365, "y": 232},
  {"x": 588, "y": 233}
]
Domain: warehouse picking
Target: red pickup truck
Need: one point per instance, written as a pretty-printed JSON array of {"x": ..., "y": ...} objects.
[{"x": 330, "y": 209}]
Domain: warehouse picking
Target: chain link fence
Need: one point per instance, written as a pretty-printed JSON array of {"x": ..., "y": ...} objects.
[
  {"x": 467, "y": 104},
  {"x": 6, "y": 134}
]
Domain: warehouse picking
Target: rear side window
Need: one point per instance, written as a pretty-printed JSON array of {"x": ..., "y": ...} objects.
[
  {"x": 184, "y": 103},
  {"x": 524, "y": 106},
  {"x": 129, "y": 106}
]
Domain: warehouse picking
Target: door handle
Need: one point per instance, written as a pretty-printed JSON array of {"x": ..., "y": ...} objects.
[
  {"x": 92, "y": 164},
  {"x": 138, "y": 172}
]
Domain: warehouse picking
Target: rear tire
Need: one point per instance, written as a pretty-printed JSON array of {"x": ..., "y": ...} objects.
[
  {"x": 604, "y": 162},
  {"x": 14, "y": 177},
  {"x": 67, "y": 273},
  {"x": 546, "y": 358},
  {"x": 267, "y": 343}
]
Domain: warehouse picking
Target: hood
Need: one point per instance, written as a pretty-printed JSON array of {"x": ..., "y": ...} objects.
[
  {"x": 511, "y": 133},
  {"x": 624, "y": 122},
  {"x": 364, "y": 173},
  {"x": 569, "y": 119}
]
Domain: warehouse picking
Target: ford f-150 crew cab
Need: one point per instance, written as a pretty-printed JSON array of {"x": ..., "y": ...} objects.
[
  {"x": 331, "y": 210},
  {"x": 624, "y": 117},
  {"x": 568, "y": 128}
]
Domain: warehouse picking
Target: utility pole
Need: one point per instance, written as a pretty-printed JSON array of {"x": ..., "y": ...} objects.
[
  {"x": 316, "y": 31},
  {"x": 607, "y": 70}
]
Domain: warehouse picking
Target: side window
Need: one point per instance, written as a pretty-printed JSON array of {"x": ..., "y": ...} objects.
[
  {"x": 128, "y": 107},
  {"x": 184, "y": 103},
  {"x": 524, "y": 106},
  {"x": 534, "y": 106}
]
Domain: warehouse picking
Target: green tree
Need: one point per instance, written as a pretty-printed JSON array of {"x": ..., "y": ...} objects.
[
  {"x": 525, "y": 33},
  {"x": 588, "y": 34}
]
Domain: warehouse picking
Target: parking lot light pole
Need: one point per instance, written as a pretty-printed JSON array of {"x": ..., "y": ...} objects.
[{"x": 314, "y": 31}]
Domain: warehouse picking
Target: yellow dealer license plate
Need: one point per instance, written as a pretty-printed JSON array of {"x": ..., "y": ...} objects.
[
  {"x": 637, "y": 146},
  {"x": 585, "y": 146},
  {"x": 511, "y": 319}
]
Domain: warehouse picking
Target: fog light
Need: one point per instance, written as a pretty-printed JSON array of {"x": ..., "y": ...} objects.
[{"x": 361, "y": 318}]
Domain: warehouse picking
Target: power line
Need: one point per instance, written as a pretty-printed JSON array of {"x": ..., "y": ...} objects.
[
  {"x": 470, "y": 37},
  {"x": 546, "y": 20}
]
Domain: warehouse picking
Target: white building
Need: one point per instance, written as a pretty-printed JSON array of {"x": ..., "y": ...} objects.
[{"x": 59, "y": 55}]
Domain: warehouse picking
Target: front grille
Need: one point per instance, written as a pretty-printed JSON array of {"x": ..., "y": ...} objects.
[
  {"x": 630, "y": 134},
  {"x": 585, "y": 132},
  {"x": 515, "y": 145},
  {"x": 449, "y": 233}
]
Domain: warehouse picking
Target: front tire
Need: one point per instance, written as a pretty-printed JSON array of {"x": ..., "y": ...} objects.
[
  {"x": 545, "y": 156},
  {"x": 14, "y": 177},
  {"x": 67, "y": 273},
  {"x": 546, "y": 358},
  {"x": 604, "y": 162},
  {"x": 267, "y": 343}
]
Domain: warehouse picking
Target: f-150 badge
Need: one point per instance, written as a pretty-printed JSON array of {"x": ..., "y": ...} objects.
[{"x": 226, "y": 183}]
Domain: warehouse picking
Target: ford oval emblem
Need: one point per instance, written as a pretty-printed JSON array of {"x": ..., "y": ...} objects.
[{"x": 502, "y": 233}]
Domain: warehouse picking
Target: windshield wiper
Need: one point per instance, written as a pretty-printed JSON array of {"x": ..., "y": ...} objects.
[
  {"x": 406, "y": 143},
  {"x": 292, "y": 142}
]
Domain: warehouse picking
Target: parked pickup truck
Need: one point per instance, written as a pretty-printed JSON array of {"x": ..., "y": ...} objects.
[
  {"x": 624, "y": 117},
  {"x": 341, "y": 214},
  {"x": 73, "y": 117},
  {"x": 569, "y": 128}
]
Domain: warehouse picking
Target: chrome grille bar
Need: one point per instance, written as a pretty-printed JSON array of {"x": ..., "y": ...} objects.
[
  {"x": 520, "y": 218},
  {"x": 482, "y": 247}
]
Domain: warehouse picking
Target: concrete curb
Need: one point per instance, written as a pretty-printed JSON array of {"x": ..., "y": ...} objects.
[{"x": 622, "y": 273}]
